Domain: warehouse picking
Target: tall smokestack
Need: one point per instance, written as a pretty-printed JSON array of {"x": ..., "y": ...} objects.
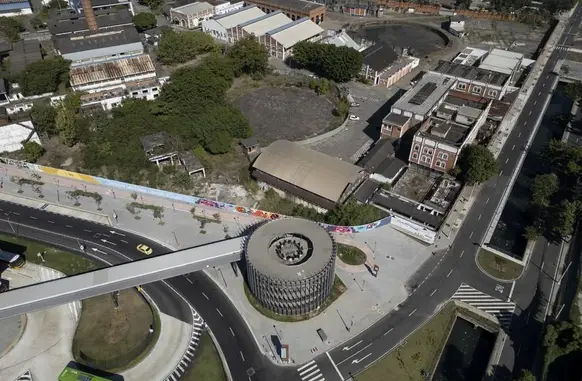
[{"x": 89, "y": 15}]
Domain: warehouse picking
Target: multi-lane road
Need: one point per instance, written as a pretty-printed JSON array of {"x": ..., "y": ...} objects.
[{"x": 455, "y": 267}]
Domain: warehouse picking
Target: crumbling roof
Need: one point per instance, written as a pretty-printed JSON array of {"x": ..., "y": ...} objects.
[{"x": 111, "y": 70}]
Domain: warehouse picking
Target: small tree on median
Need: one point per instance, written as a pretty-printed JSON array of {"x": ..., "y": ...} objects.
[{"x": 477, "y": 165}]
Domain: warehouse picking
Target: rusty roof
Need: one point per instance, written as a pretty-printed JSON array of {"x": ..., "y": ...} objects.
[{"x": 111, "y": 70}]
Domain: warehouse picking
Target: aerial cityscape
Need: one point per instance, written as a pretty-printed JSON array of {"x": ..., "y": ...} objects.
[{"x": 290, "y": 190}]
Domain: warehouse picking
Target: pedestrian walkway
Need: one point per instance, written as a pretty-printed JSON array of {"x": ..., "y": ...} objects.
[
  {"x": 310, "y": 372},
  {"x": 501, "y": 309}
]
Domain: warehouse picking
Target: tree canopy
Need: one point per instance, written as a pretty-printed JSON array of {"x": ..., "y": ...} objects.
[
  {"x": 152, "y": 4},
  {"x": 526, "y": 375},
  {"x": 144, "y": 21},
  {"x": 339, "y": 64},
  {"x": 543, "y": 188},
  {"x": 43, "y": 116},
  {"x": 574, "y": 91},
  {"x": 44, "y": 76},
  {"x": 32, "y": 151},
  {"x": 180, "y": 47},
  {"x": 249, "y": 57},
  {"x": 10, "y": 28},
  {"x": 477, "y": 164}
]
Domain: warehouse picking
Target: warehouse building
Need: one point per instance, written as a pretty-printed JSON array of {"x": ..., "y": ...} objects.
[
  {"x": 259, "y": 26},
  {"x": 280, "y": 42},
  {"x": 307, "y": 176},
  {"x": 110, "y": 4},
  {"x": 11, "y": 8},
  {"x": 85, "y": 48},
  {"x": 67, "y": 21},
  {"x": 220, "y": 27},
  {"x": 103, "y": 75},
  {"x": 294, "y": 9},
  {"x": 190, "y": 16}
]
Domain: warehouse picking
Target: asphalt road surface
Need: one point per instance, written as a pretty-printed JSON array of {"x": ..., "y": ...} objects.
[{"x": 244, "y": 359}]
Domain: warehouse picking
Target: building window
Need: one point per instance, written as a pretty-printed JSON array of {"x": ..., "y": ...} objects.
[
  {"x": 414, "y": 155},
  {"x": 476, "y": 89},
  {"x": 461, "y": 86},
  {"x": 425, "y": 150},
  {"x": 443, "y": 156},
  {"x": 426, "y": 159},
  {"x": 416, "y": 147},
  {"x": 492, "y": 93},
  {"x": 440, "y": 164}
]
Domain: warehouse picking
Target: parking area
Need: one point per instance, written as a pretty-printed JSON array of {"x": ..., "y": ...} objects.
[{"x": 358, "y": 136}]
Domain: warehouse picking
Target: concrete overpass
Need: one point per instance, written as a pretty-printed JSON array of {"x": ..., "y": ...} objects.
[{"x": 132, "y": 274}]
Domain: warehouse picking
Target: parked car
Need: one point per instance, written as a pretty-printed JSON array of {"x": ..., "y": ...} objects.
[
  {"x": 354, "y": 104},
  {"x": 354, "y": 117}
]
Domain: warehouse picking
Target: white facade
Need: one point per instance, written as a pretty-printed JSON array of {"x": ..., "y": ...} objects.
[
  {"x": 220, "y": 26},
  {"x": 224, "y": 8}
]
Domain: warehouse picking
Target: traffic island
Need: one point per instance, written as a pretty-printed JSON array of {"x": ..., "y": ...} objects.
[
  {"x": 338, "y": 289},
  {"x": 498, "y": 267},
  {"x": 207, "y": 365},
  {"x": 351, "y": 255},
  {"x": 115, "y": 332}
]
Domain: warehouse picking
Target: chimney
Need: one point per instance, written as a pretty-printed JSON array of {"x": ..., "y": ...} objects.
[{"x": 89, "y": 15}]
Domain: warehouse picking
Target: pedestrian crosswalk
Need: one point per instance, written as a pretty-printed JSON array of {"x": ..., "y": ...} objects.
[
  {"x": 310, "y": 372},
  {"x": 501, "y": 309}
]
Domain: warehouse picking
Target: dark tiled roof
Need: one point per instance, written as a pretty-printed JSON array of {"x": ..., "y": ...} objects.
[
  {"x": 381, "y": 150},
  {"x": 407, "y": 209},
  {"x": 62, "y": 23},
  {"x": 24, "y": 53},
  {"x": 366, "y": 191},
  {"x": 379, "y": 56},
  {"x": 390, "y": 167},
  {"x": 73, "y": 44}
]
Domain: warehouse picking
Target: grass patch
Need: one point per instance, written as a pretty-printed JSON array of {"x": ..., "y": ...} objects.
[
  {"x": 421, "y": 352},
  {"x": 351, "y": 255},
  {"x": 497, "y": 266},
  {"x": 206, "y": 365},
  {"x": 115, "y": 338},
  {"x": 338, "y": 289},
  {"x": 63, "y": 261}
]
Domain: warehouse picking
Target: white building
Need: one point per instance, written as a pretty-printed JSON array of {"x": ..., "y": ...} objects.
[
  {"x": 191, "y": 15},
  {"x": 224, "y": 8},
  {"x": 280, "y": 42},
  {"x": 341, "y": 38},
  {"x": 221, "y": 26},
  {"x": 259, "y": 26}
]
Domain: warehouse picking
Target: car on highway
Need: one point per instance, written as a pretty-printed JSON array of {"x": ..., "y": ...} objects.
[
  {"x": 354, "y": 117},
  {"x": 144, "y": 249}
]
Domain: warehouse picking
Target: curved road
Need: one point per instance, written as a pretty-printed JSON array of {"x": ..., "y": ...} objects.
[{"x": 244, "y": 359}]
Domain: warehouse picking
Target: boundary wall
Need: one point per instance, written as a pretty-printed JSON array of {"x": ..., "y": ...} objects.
[{"x": 407, "y": 226}]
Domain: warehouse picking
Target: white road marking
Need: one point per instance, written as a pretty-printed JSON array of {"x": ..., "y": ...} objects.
[
  {"x": 305, "y": 366},
  {"x": 50, "y": 222},
  {"x": 241, "y": 356},
  {"x": 387, "y": 332},
  {"x": 479, "y": 218},
  {"x": 87, "y": 230},
  {"x": 512, "y": 148},
  {"x": 520, "y": 133},
  {"x": 450, "y": 272},
  {"x": 535, "y": 103},
  {"x": 334, "y": 366},
  {"x": 462, "y": 252},
  {"x": 355, "y": 354},
  {"x": 206, "y": 296},
  {"x": 124, "y": 241},
  {"x": 220, "y": 313},
  {"x": 506, "y": 160},
  {"x": 529, "y": 112},
  {"x": 487, "y": 201},
  {"x": 471, "y": 235},
  {"x": 188, "y": 279},
  {"x": 69, "y": 226},
  {"x": 410, "y": 314},
  {"x": 231, "y": 331},
  {"x": 432, "y": 293},
  {"x": 33, "y": 217}
]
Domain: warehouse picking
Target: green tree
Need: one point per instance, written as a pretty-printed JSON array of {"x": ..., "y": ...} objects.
[
  {"x": 353, "y": 213},
  {"x": 574, "y": 91},
  {"x": 563, "y": 219},
  {"x": 43, "y": 117},
  {"x": 477, "y": 164},
  {"x": 249, "y": 57},
  {"x": 144, "y": 21},
  {"x": 67, "y": 126},
  {"x": 32, "y": 151},
  {"x": 543, "y": 188},
  {"x": 10, "y": 28},
  {"x": 44, "y": 76},
  {"x": 153, "y": 4},
  {"x": 339, "y": 64},
  {"x": 526, "y": 375},
  {"x": 180, "y": 47}
]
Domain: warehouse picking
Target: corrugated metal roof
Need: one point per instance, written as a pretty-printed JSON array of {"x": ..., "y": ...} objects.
[
  {"x": 266, "y": 23},
  {"x": 297, "y": 31},
  {"x": 231, "y": 20},
  {"x": 107, "y": 71},
  {"x": 194, "y": 8},
  {"x": 320, "y": 174}
]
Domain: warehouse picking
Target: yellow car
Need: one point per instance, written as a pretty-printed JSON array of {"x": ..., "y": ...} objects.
[{"x": 144, "y": 249}]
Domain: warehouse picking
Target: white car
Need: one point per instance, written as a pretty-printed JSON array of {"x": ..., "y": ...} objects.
[{"x": 354, "y": 117}]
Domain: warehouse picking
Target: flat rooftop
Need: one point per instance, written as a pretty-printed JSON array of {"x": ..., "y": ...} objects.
[
  {"x": 396, "y": 119},
  {"x": 471, "y": 73},
  {"x": 379, "y": 56},
  {"x": 445, "y": 131},
  {"x": 239, "y": 16},
  {"x": 406, "y": 208},
  {"x": 111, "y": 70},
  {"x": 502, "y": 61},
  {"x": 295, "y": 5},
  {"x": 89, "y": 41},
  {"x": 262, "y": 256},
  {"x": 425, "y": 94},
  {"x": 469, "y": 56},
  {"x": 300, "y": 30},
  {"x": 24, "y": 53}
]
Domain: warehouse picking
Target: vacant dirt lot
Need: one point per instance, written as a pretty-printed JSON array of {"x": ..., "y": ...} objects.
[{"x": 287, "y": 113}]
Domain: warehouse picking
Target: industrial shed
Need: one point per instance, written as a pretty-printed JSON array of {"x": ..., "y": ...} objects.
[{"x": 308, "y": 175}]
